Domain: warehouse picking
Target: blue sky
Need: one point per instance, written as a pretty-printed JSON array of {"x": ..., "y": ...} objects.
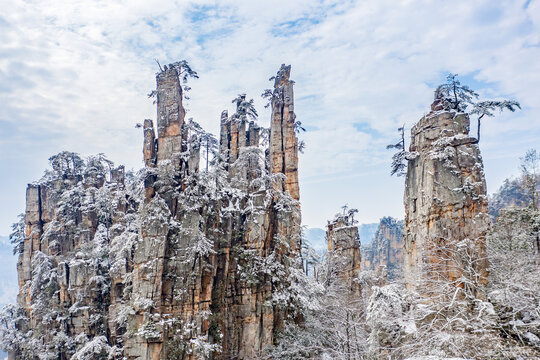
[{"x": 74, "y": 76}]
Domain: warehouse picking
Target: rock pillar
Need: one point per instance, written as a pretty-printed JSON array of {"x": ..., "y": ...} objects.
[
  {"x": 149, "y": 147},
  {"x": 170, "y": 115},
  {"x": 234, "y": 136},
  {"x": 283, "y": 140},
  {"x": 344, "y": 251},
  {"x": 386, "y": 249},
  {"x": 446, "y": 207}
]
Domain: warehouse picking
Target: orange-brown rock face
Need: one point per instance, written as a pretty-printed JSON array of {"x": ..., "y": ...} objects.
[
  {"x": 199, "y": 280},
  {"x": 170, "y": 115},
  {"x": 445, "y": 200},
  {"x": 149, "y": 147},
  {"x": 283, "y": 140},
  {"x": 344, "y": 251},
  {"x": 386, "y": 249}
]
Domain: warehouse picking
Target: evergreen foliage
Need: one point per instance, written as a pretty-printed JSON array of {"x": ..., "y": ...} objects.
[
  {"x": 399, "y": 165},
  {"x": 460, "y": 98}
]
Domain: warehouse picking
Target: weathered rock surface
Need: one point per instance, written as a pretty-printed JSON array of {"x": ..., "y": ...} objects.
[
  {"x": 445, "y": 200},
  {"x": 234, "y": 135},
  {"x": 386, "y": 250},
  {"x": 73, "y": 216},
  {"x": 344, "y": 251},
  {"x": 283, "y": 140},
  {"x": 173, "y": 263},
  {"x": 202, "y": 269}
]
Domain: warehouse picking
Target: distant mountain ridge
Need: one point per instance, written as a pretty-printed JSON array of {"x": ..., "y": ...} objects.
[
  {"x": 386, "y": 249},
  {"x": 367, "y": 232}
]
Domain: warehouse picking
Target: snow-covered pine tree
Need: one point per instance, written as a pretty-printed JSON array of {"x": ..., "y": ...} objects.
[{"x": 458, "y": 97}]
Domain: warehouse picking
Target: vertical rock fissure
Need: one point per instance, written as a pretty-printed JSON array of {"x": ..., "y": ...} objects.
[
  {"x": 40, "y": 215},
  {"x": 282, "y": 111}
]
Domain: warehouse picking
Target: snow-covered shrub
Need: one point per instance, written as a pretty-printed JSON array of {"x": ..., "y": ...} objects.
[
  {"x": 514, "y": 288},
  {"x": 96, "y": 349},
  {"x": 386, "y": 316}
]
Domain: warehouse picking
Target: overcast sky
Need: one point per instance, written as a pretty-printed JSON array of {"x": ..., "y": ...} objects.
[{"x": 74, "y": 76}]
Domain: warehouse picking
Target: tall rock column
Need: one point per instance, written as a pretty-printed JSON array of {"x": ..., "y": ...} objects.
[
  {"x": 234, "y": 135},
  {"x": 386, "y": 250},
  {"x": 170, "y": 115},
  {"x": 344, "y": 251},
  {"x": 149, "y": 147},
  {"x": 283, "y": 140},
  {"x": 283, "y": 156},
  {"x": 445, "y": 201},
  {"x": 168, "y": 229}
]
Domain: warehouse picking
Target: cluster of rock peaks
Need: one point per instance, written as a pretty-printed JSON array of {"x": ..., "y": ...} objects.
[
  {"x": 183, "y": 261},
  {"x": 174, "y": 262}
]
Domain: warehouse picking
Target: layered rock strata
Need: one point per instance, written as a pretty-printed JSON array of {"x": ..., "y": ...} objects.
[{"x": 446, "y": 209}]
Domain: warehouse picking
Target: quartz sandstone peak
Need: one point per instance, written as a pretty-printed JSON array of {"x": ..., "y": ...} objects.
[
  {"x": 445, "y": 200},
  {"x": 197, "y": 265},
  {"x": 385, "y": 252},
  {"x": 344, "y": 251},
  {"x": 218, "y": 303},
  {"x": 283, "y": 140}
]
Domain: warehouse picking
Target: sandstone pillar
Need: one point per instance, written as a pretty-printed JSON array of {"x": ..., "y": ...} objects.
[
  {"x": 344, "y": 251},
  {"x": 445, "y": 201},
  {"x": 149, "y": 147},
  {"x": 283, "y": 140},
  {"x": 386, "y": 249},
  {"x": 170, "y": 115}
]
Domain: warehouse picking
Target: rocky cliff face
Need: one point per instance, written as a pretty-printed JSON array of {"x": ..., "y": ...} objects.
[
  {"x": 386, "y": 249},
  {"x": 170, "y": 263},
  {"x": 283, "y": 140},
  {"x": 76, "y": 215},
  {"x": 511, "y": 193},
  {"x": 344, "y": 252},
  {"x": 446, "y": 210}
]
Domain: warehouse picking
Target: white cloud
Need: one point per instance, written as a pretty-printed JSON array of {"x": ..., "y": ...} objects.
[{"x": 75, "y": 74}]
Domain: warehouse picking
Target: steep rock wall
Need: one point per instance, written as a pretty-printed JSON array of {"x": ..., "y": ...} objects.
[
  {"x": 344, "y": 257},
  {"x": 176, "y": 263},
  {"x": 386, "y": 249},
  {"x": 445, "y": 200}
]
